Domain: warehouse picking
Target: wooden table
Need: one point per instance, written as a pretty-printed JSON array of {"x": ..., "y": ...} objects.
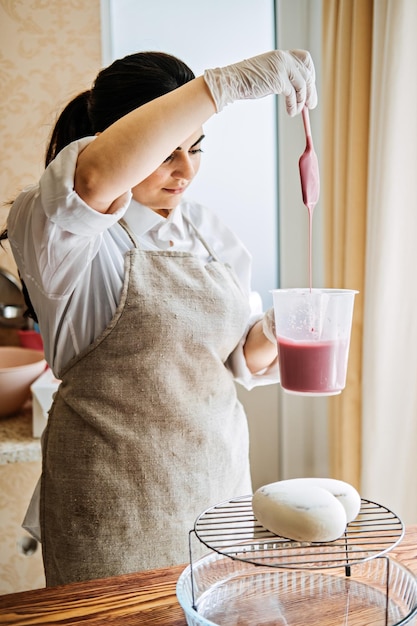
[{"x": 143, "y": 598}]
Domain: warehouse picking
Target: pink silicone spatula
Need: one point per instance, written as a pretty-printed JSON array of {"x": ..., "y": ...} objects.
[
  {"x": 309, "y": 168},
  {"x": 310, "y": 183}
]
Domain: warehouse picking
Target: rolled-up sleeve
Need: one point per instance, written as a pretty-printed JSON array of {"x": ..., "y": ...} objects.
[
  {"x": 63, "y": 206},
  {"x": 236, "y": 362},
  {"x": 53, "y": 232}
]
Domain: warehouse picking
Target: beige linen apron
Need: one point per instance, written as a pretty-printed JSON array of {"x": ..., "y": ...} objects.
[{"x": 146, "y": 430}]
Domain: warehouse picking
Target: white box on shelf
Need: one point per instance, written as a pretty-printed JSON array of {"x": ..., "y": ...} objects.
[{"x": 43, "y": 390}]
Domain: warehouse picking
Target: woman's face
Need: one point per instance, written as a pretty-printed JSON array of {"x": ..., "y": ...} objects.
[{"x": 164, "y": 188}]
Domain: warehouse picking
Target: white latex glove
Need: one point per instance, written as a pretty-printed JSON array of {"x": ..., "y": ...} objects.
[
  {"x": 290, "y": 72},
  {"x": 268, "y": 325}
]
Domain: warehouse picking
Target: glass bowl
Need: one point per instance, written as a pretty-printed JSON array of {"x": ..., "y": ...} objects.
[{"x": 220, "y": 591}]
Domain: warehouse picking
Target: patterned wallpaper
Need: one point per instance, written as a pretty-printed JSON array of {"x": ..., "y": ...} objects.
[{"x": 49, "y": 51}]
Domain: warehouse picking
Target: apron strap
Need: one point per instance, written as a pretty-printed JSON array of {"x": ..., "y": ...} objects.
[
  {"x": 213, "y": 255},
  {"x": 130, "y": 234}
]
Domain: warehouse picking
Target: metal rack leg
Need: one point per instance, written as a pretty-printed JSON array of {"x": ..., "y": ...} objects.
[{"x": 191, "y": 569}]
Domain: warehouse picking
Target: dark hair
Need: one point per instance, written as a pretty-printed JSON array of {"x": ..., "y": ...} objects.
[
  {"x": 123, "y": 86},
  {"x": 72, "y": 124}
]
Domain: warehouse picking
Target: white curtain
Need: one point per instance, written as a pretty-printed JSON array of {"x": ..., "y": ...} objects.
[{"x": 389, "y": 419}]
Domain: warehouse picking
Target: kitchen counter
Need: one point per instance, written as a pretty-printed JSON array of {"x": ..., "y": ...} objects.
[
  {"x": 143, "y": 598},
  {"x": 16, "y": 441}
]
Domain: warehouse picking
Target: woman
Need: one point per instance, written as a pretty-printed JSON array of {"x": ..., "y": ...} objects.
[{"x": 142, "y": 300}]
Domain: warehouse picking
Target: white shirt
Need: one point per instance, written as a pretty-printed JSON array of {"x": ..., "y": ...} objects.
[{"x": 71, "y": 258}]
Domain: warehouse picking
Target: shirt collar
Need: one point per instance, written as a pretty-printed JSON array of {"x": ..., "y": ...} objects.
[{"x": 142, "y": 220}]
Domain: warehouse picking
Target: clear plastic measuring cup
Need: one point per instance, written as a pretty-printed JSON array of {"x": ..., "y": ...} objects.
[{"x": 313, "y": 330}]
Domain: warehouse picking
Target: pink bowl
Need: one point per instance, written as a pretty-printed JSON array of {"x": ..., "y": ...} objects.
[{"x": 19, "y": 368}]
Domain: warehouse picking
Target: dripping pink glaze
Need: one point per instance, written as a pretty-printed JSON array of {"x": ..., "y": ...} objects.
[{"x": 310, "y": 181}]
